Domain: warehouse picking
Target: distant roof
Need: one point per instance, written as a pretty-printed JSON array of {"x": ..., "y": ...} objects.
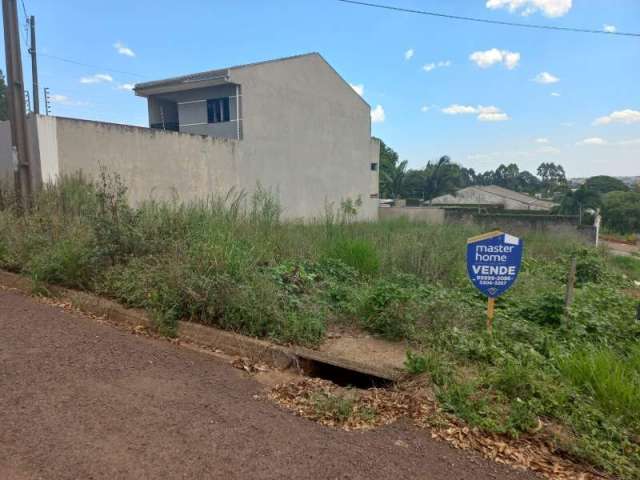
[
  {"x": 513, "y": 195},
  {"x": 501, "y": 192},
  {"x": 220, "y": 73}
]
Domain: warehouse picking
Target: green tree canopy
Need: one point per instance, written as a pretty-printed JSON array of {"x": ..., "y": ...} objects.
[
  {"x": 621, "y": 211},
  {"x": 605, "y": 184},
  {"x": 391, "y": 172},
  {"x": 553, "y": 177}
]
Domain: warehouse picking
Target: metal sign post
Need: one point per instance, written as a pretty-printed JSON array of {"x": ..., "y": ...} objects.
[{"x": 493, "y": 264}]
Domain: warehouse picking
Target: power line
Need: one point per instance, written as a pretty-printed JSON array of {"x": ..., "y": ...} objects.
[
  {"x": 486, "y": 20},
  {"x": 75, "y": 62}
]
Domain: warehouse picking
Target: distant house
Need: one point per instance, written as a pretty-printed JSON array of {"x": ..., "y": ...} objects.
[
  {"x": 292, "y": 126},
  {"x": 492, "y": 195}
]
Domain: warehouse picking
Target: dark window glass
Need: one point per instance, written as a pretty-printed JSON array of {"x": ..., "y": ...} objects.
[
  {"x": 374, "y": 167},
  {"x": 218, "y": 110}
]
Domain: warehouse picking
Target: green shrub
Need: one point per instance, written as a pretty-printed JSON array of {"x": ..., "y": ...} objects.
[
  {"x": 358, "y": 254},
  {"x": 70, "y": 261},
  {"x": 391, "y": 310},
  {"x": 545, "y": 309}
]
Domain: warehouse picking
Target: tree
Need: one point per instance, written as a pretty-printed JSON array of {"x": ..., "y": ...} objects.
[
  {"x": 574, "y": 203},
  {"x": 604, "y": 184},
  {"x": 392, "y": 172},
  {"x": 553, "y": 177},
  {"x": 440, "y": 178},
  {"x": 4, "y": 115},
  {"x": 621, "y": 211}
]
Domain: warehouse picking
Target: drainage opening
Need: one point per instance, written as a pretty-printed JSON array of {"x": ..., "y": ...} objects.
[{"x": 345, "y": 377}]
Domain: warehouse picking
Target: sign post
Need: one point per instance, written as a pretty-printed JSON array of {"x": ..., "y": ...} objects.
[{"x": 493, "y": 263}]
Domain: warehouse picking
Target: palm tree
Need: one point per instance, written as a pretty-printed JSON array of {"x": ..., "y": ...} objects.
[
  {"x": 392, "y": 179},
  {"x": 440, "y": 178}
]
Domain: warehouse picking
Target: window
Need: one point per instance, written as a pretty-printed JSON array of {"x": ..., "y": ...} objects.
[
  {"x": 374, "y": 167},
  {"x": 218, "y": 110}
]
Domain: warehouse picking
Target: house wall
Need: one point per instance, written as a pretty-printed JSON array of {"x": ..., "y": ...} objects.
[
  {"x": 190, "y": 108},
  {"x": 300, "y": 117}
]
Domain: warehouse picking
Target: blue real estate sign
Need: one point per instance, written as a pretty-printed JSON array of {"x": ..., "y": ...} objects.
[{"x": 493, "y": 262}]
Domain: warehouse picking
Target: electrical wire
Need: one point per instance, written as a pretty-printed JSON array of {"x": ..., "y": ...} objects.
[
  {"x": 486, "y": 20},
  {"x": 75, "y": 62}
]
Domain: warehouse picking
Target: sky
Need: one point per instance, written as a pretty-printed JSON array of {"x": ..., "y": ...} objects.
[{"x": 482, "y": 94}]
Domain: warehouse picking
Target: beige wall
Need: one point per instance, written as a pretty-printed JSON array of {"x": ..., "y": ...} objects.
[
  {"x": 168, "y": 165},
  {"x": 301, "y": 119},
  {"x": 415, "y": 214},
  {"x": 153, "y": 163}
]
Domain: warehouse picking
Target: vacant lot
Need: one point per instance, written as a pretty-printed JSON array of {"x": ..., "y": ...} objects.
[{"x": 573, "y": 378}]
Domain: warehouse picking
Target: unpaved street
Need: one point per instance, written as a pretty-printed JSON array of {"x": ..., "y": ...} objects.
[{"x": 82, "y": 400}]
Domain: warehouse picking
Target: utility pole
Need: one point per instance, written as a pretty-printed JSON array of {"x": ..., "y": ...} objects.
[
  {"x": 34, "y": 65},
  {"x": 16, "y": 103},
  {"x": 47, "y": 102}
]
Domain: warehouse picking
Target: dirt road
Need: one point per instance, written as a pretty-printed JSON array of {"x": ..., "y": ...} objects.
[{"x": 82, "y": 400}]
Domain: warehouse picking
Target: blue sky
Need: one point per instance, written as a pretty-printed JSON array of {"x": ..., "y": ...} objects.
[{"x": 466, "y": 90}]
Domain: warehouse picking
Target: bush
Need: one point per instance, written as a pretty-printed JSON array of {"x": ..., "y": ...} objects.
[
  {"x": 70, "y": 261},
  {"x": 358, "y": 254},
  {"x": 391, "y": 310}
]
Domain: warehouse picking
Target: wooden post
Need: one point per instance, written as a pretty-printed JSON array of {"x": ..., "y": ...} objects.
[
  {"x": 571, "y": 280},
  {"x": 491, "y": 303}
]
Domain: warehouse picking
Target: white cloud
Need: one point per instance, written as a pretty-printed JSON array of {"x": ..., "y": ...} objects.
[
  {"x": 425, "y": 108},
  {"x": 408, "y": 55},
  {"x": 433, "y": 65},
  {"x": 484, "y": 113},
  {"x": 123, "y": 49},
  {"x": 493, "y": 117},
  {"x": 555, "y": 94},
  {"x": 97, "y": 78},
  {"x": 377, "y": 114},
  {"x": 546, "y": 78},
  {"x": 542, "y": 140},
  {"x": 550, "y": 8},
  {"x": 626, "y": 116},
  {"x": 487, "y": 58},
  {"x": 358, "y": 88},
  {"x": 592, "y": 141},
  {"x": 548, "y": 149},
  {"x": 65, "y": 100},
  {"x": 126, "y": 86},
  {"x": 456, "y": 109},
  {"x": 609, "y": 28}
]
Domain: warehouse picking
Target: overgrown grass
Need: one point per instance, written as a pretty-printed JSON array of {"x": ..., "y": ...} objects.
[{"x": 230, "y": 262}]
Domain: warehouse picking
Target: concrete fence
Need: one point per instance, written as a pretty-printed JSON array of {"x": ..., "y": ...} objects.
[
  {"x": 164, "y": 165},
  {"x": 516, "y": 223}
]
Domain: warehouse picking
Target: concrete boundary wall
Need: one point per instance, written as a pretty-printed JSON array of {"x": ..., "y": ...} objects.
[
  {"x": 168, "y": 166},
  {"x": 517, "y": 223},
  {"x": 432, "y": 215}
]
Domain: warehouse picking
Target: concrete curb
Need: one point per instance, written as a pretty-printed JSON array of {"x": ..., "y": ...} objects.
[{"x": 258, "y": 351}]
